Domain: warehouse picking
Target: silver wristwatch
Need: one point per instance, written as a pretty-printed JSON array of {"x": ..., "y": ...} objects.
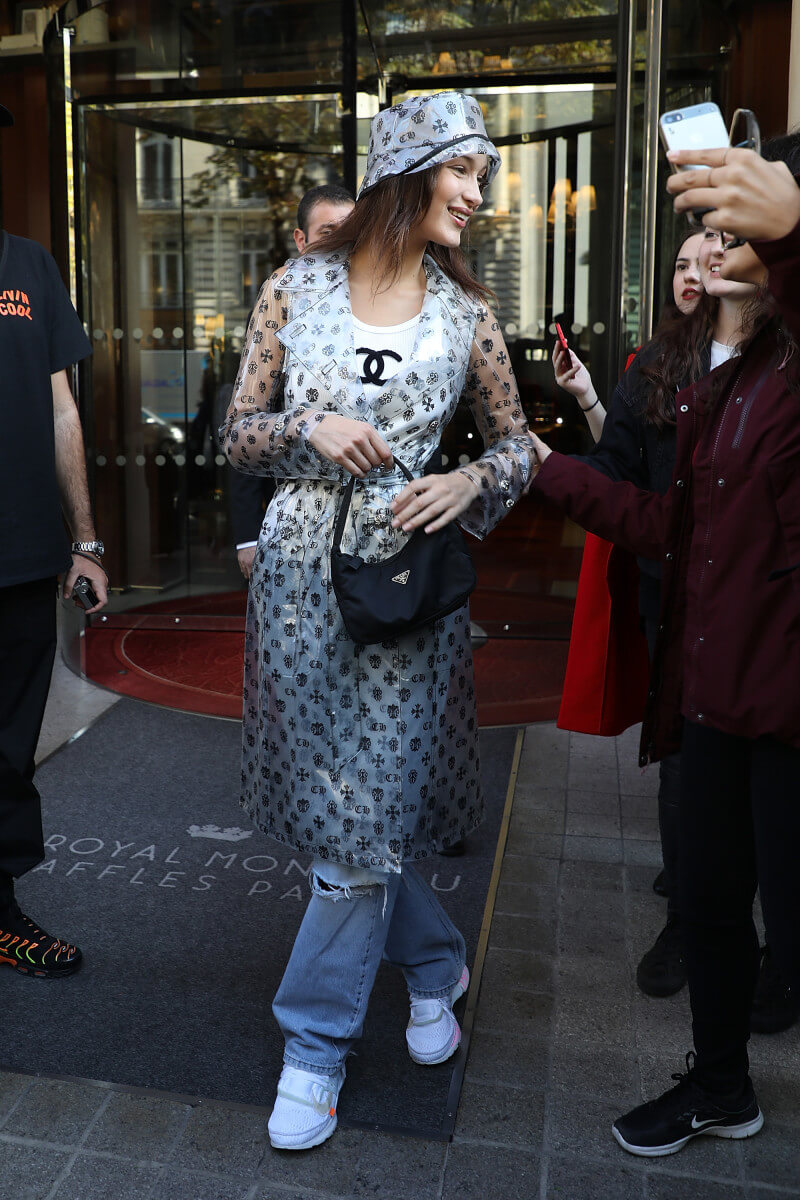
[{"x": 96, "y": 548}]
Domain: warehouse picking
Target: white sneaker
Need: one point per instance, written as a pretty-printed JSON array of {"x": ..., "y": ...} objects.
[
  {"x": 433, "y": 1033},
  {"x": 305, "y": 1109}
]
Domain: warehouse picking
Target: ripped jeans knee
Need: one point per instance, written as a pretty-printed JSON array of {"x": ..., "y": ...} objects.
[
  {"x": 335, "y": 882},
  {"x": 339, "y": 891}
]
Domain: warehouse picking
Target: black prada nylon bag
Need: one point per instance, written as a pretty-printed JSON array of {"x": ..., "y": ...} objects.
[{"x": 430, "y": 577}]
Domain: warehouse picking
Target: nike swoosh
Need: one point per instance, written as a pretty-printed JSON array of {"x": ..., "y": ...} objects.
[{"x": 702, "y": 1124}]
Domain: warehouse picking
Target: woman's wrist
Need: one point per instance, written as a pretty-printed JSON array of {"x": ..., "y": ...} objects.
[{"x": 589, "y": 407}]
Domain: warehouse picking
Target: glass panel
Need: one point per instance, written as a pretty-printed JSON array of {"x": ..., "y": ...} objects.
[
  {"x": 187, "y": 208},
  {"x": 477, "y": 38},
  {"x": 143, "y": 47}
]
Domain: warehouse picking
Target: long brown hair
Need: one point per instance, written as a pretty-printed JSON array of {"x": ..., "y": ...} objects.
[
  {"x": 675, "y": 357},
  {"x": 383, "y": 219}
]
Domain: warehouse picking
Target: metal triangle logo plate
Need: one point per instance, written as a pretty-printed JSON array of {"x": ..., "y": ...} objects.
[{"x": 401, "y": 578}]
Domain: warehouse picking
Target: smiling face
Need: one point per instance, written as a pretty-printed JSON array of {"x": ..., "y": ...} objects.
[
  {"x": 456, "y": 195},
  {"x": 712, "y": 256},
  {"x": 742, "y": 264},
  {"x": 686, "y": 285}
]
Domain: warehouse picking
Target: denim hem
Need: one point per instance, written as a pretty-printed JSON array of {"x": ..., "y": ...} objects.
[
  {"x": 290, "y": 1061},
  {"x": 436, "y": 993}
]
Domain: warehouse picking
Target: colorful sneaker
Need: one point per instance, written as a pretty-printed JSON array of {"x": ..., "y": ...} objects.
[
  {"x": 433, "y": 1034},
  {"x": 687, "y": 1111},
  {"x": 305, "y": 1109},
  {"x": 27, "y": 948}
]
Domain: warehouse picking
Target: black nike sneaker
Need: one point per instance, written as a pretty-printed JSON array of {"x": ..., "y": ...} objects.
[
  {"x": 687, "y": 1111},
  {"x": 27, "y": 948}
]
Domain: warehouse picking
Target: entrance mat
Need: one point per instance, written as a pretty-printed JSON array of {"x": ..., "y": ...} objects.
[
  {"x": 518, "y": 681},
  {"x": 186, "y": 916}
]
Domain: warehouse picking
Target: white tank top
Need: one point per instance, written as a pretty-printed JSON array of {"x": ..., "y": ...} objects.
[{"x": 381, "y": 350}]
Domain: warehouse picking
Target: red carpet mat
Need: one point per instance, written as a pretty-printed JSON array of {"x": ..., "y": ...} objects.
[
  {"x": 524, "y": 571},
  {"x": 199, "y": 671}
]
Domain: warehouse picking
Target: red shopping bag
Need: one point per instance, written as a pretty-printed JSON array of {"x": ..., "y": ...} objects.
[{"x": 605, "y": 685}]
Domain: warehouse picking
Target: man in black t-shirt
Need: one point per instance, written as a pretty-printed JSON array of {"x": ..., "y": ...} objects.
[{"x": 42, "y": 474}]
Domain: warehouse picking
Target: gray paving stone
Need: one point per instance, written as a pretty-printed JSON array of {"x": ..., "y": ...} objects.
[
  {"x": 778, "y": 1093},
  {"x": 593, "y": 1020},
  {"x": 773, "y": 1156},
  {"x": 596, "y": 1071},
  {"x": 398, "y": 1168},
  {"x": 683, "y": 1187},
  {"x": 55, "y": 1111},
  {"x": 543, "y": 845},
  {"x": 570, "y": 1179},
  {"x": 643, "y": 829},
  {"x": 663, "y": 1027},
  {"x": 517, "y": 969},
  {"x": 94, "y": 1177},
  {"x": 472, "y": 1173},
  {"x": 530, "y": 798},
  {"x": 184, "y": 1185},
  {"x": 643, "y": 853},
  {"x": 633, "y": 782},
  {"x": 12, "y": 1087},
  {"x": 517, "y": 899},
  {"x": 529, "y": 869},
  {"x": 591, "y": 876},
  {"x": 522, "y": 934},
  {"x": 511, "y": 1116},
  {"x": 330, "y": 1167},
  {"x": 511, "y": 1010},
  {"x": 639, "y": 879},
  {"x": 587, "y": 776},
  {"x": 593, "y": 824},
  {"x": 146, "y": 1127},
  {"x": 642, "y": 807},
  {"x": 592, "y": 849},
  {"x": 29, "y": 1172},
  {"x": 579, "y": 1124},
  {"x": 222, "y": 1140},
  {"x": 498, "y": 1057},
  {"x": 580, "y": 800},
  {"x": 526, "y": 822}
]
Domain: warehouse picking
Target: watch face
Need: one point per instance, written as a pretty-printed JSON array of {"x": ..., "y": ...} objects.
[{"x": 99, "y": 548}]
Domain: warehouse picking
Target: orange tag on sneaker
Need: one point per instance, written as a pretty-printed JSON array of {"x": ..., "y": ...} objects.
[{"x": 332, "y": 1112}]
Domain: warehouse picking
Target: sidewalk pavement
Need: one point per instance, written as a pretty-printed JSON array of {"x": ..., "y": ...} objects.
[{"x": 563, "y": 1043}]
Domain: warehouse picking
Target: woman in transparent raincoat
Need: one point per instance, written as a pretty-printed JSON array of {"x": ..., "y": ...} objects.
[{"x": 366, "y": 757}]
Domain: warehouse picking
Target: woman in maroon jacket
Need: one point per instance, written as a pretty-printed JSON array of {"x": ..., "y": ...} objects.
[{"x": 725, "y": 686}]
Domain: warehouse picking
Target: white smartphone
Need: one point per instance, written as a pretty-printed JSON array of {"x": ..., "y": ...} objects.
[{"x": 698, "y": 127}]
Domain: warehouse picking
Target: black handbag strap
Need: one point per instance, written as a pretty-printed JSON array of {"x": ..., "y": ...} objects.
[{"x": 344, "y": 506}]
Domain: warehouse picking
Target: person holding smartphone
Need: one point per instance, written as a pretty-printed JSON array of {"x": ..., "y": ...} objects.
[
  {"x": 726, "y": 678},
  {"x": 696, "y": 333},
  {"x": 684, "y": 291}
]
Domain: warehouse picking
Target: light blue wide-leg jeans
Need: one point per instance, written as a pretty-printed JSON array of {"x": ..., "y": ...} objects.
[{"x": 353, "y": 919}]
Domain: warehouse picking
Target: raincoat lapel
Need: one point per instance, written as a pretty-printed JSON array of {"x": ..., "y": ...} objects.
[{"x": 320, "y": 331}]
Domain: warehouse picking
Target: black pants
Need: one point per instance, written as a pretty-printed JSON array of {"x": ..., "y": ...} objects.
[
  {"x": 27, "y": 650},
  {"x": 669, "y": 793},
  {"x": 739, "y": 829}
]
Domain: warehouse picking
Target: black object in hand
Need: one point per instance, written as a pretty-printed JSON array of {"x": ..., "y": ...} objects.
[{"x": 84, "y": 593}]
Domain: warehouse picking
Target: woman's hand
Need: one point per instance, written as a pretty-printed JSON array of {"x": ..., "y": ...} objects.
[
  {"x": 354, "y": 445},
  {"x": 541, "y": 452},
  {"x": 572, "y": 376},
  {"x": 433, "y": 501},
  {"x": 750, "y": 197}
]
